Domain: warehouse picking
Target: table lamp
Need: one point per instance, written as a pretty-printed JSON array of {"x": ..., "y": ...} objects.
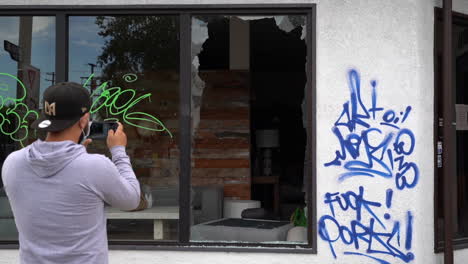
[{"x": 267, "y": 140}]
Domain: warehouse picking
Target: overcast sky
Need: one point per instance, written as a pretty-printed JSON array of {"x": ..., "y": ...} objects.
[
  {"x": 42, "y": 53},
  {"x": 85, "y": 46}
]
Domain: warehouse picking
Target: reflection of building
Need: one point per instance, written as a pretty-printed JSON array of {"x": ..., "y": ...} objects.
[
  {"x": 347, "y": 86},
  {"x": 31, "y": 77},
  {"x": 29, "y": 74}
]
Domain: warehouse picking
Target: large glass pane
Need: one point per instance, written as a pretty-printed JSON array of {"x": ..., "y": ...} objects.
[
  {"x": 130, "y": 65},
  {"x": 461, "y": 100},
  {"x": 27, "y": 67},
  {"x": 460, "y": 83},
  {"x": 249, "y": 136}
]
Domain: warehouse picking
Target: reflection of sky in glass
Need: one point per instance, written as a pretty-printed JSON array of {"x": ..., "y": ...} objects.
[
  {"x": 42, "y": 53},
  {"x": 85, "y": 46}
]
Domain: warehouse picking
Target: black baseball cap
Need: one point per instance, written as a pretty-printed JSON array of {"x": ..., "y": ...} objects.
[{"x": 63, "y": 105}]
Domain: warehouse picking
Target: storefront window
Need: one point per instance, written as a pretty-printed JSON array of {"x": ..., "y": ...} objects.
[
  {"x": 130, "y": 64},
  {"x": 219, "y": 107},
  {"x": 248, "y": 129},
  {"x": 460, "y": 82},
  {"x": 27, "y": 67}
]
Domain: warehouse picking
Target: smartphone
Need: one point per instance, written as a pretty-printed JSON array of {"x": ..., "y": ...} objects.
[{"x": 99, "y": 130}]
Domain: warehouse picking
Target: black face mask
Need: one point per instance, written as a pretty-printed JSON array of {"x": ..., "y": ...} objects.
[{"x": 84, "y": 133}]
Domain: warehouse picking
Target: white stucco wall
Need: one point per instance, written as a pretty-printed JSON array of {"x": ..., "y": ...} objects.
[
  {"x": 371, "y": 37},
  {"x": 387, "y": 41}
]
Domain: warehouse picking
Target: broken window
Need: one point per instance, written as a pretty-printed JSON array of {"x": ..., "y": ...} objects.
[
  {"x": 248, "y": 128},
  {"x": 460, "y": 82},
  {"x": 244, "y": 183}
]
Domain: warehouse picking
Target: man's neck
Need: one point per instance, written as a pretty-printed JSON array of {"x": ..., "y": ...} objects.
[{"x": 52, "y": 137}]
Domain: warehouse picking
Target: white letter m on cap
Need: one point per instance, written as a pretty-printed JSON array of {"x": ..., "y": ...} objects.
[{"x": 49, "y": 108}]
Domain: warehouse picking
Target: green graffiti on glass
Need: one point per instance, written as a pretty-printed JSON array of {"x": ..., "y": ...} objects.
[
  {"x": 14, "y": 113},
  {"x": 107, "y": 97}
]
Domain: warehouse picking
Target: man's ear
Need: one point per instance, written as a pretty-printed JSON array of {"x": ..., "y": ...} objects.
[{"x": 84, "y": 120}]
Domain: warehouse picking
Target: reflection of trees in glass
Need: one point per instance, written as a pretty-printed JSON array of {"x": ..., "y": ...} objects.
[
  {"x": 144, "y": 47},
  {"x": 297, "y": 20},
  {"x": 137, "y": 44}
]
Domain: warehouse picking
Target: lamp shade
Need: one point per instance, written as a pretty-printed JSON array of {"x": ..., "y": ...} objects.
[{"x": 267, "y": 138}]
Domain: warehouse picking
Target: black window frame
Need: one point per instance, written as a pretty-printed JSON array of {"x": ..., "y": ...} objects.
[
  {"x": 185, "y": 13},
  {"x": 448, "y": 148}
]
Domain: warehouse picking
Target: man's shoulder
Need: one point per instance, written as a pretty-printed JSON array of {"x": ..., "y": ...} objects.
[
  {"x": 17, "y": 154},
  {"x": 14, "y": 160}
]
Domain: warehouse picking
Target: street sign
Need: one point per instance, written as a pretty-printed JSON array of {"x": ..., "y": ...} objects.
[{"x": 12, "y": 49}]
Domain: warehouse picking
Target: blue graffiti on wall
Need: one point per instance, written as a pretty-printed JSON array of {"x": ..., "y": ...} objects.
[
  {"x": 360, "y": 156},
  {"x": 367, "y": 232},
  {"x": 373, "y": 142}
]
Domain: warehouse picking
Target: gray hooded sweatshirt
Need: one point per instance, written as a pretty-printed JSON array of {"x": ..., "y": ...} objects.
[{"x": 57, "y": 193}]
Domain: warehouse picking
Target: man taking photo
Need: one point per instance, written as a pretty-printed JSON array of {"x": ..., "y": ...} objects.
[{"x": 57, "y": 190}]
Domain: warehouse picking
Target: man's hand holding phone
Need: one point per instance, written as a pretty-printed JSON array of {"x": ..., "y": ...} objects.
[{"x": 117, "y": 138}]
